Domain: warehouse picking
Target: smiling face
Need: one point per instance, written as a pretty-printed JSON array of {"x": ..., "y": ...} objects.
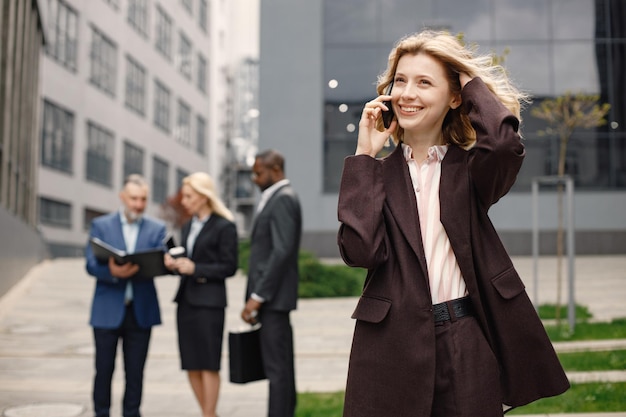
[{"x": 421, "y": 97}]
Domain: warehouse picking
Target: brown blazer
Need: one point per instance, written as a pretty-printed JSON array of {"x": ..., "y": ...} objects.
[{"x": 392, "y": 363}]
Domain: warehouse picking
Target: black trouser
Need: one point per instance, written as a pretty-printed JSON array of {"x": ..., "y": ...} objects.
[
  {"x": 135, "y": 341},
  {"x": 277, "y": 352},
  {"x": 467, "y": 376}
]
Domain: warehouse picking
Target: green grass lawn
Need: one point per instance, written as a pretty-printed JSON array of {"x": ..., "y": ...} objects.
[
  {"x": 548, "y": 311},
  {"x": 594, "y": 361},
  {"x": 320, "y": 405},
  {"x": 589, "y": 331},
  {"x": 580, "y": 398}
]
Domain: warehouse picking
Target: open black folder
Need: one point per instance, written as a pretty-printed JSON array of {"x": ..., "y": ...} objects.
[{"x": 150, "y": 262}]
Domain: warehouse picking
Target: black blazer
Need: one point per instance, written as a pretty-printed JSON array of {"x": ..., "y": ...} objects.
[
  {"x": 274, "y": 245},
  {"x": 215, "y": 255}
]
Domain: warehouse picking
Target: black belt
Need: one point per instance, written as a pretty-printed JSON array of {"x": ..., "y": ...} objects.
[{"x": 460, "y": 307}]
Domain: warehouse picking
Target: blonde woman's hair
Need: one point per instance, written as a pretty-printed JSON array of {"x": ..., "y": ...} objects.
[
  {"x": 456, "y": 58},
  {"x": 203, "y": 184}
]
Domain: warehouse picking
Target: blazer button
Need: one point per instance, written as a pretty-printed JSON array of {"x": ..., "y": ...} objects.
[{"x": 201, "y": 280}]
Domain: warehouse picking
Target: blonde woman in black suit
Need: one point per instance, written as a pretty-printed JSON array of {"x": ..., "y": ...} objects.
[{"x": 210, "y": 240}]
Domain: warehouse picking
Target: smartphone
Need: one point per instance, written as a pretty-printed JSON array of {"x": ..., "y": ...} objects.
[{"x": 388, "y": 115}]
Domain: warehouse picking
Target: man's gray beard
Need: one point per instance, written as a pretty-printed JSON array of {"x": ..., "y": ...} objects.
[{"x": 132, "y": 216}]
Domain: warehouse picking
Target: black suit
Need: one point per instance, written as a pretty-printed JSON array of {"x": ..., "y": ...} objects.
[
  {"x": 201, "y": 297},
  {"x": 273, "y": 275}
]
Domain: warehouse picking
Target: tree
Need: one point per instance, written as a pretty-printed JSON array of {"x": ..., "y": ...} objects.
[
  {"x": 565, "y": 114},
  {"x": 173, "y": 212}
]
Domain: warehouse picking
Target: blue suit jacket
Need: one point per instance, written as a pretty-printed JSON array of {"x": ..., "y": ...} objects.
[{"x": 107, "y": 310}]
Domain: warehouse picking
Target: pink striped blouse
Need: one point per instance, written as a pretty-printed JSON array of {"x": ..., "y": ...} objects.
[{"x": 444, "y": 275}]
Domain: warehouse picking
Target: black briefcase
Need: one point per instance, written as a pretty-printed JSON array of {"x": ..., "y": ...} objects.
[{"x": 246, "y": 364}]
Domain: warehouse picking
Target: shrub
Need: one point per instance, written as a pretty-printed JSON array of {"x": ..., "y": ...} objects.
[
  {"x": 317, "y": 279},
  {"x": 321, "y": 280},
  {"x": 244, "y": 255}
]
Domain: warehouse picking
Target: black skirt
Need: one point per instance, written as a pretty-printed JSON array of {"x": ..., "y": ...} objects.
[{"x": 200, "y": 334}]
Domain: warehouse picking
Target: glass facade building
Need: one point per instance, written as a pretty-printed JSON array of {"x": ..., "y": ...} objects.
[
  {"x": 320, "y": 62},
  {"x": 550, "y": 47}
]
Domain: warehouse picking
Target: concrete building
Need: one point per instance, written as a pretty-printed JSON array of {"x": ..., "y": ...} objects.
[
  {"x": 128, "y": 86},
  {"x": 320, "y": 61},
  {"x": 243, "y": 143},
  {"x": 21, "y": 42}
]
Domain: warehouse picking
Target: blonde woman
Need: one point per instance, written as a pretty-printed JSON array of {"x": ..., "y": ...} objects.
[
  {"x": 210, "y": 241},
  {"x": 444, "y": 326}
]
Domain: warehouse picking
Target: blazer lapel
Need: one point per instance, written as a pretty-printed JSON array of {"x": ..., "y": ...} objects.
[
  {"x": 118, "y": 233},
  {"x": 454, "y": 197},
  {"x": 267, "y": 203},
  {"x": 207, "y": 226},
  {"x": 403, "y": 204},
  {"x": 141, "y": 242},
  {"x": 184, "y": 234}
]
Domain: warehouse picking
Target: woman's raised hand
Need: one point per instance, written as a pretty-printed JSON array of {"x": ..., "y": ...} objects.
[
  {"x": 370, "y": 139},
  {"x": 464, "y": 78}
]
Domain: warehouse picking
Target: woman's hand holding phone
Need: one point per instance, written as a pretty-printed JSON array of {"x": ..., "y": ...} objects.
[
  {"x": 370, "y": 139},
  {"x": 388, "y": 115}
]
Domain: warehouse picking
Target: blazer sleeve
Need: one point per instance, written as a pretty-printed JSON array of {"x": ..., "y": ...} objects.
[
  {"x": 361, "y": 237},
  {"x": 221, "y": 262},
  {"x": 498, "y": 153},
  {"x": 99, "y": 270},
  {"x": 150, "y": 236}
]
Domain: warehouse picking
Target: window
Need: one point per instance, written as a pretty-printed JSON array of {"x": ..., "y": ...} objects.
[
  {"x": 161, "y": 106},
  {"x": 135, "y": 85},
  {"x": 184, "y": 56},
  {"x": 55, "y": 213},
  {"x": 203, "y": 15},
  {"x": 138, "y": 15},
  {"x": 182, "y": 132},
  {"x": 133, "y": 160},
  {"x": 103, "y": 61},
  {"x": 57, "y": 138},
  {"x": 99, "y": 155},
  {"x": 201, "y": 135},
  {"x": 188, "y": 5},
  {"x": 565, "y": 38},
  {"x": 180, "y": 176},
  {"x": 114, "y": 3},
  {"x": 163, "y": 33},
  {"x": 89, "y": 215},
  {"x": 61, "y": 37},
  {"x": 160, "y": 172},
  {"x": 202, "y": 73}
]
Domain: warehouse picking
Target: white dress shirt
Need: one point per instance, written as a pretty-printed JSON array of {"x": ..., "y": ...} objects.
[
  {"x": 269, "y": 192},
  {"x": 130, "y": 232},
  {"x": 194, "y": 231}
]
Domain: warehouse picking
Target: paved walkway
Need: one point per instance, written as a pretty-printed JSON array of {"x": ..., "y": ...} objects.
[{"x": 46, "y": 352}]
